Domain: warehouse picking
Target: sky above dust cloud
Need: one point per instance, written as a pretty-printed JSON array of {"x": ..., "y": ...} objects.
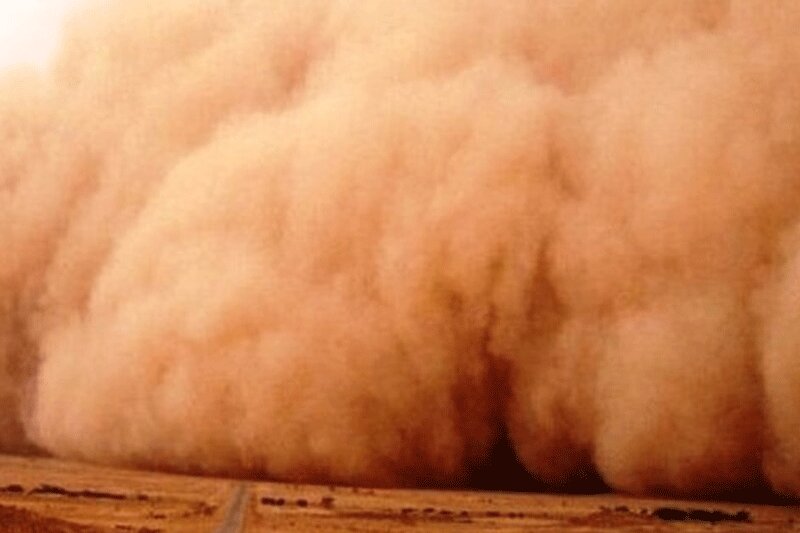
[{"x": 30, "y": 30}]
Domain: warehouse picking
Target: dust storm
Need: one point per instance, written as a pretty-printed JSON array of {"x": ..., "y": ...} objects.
[{"x": 361, "y": 242}]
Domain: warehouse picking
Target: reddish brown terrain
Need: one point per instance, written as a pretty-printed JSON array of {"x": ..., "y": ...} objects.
[{"x": 46, "y": 495}]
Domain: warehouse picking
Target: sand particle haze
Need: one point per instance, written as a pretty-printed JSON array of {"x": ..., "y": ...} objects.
[{"x": 332, "y": 241}]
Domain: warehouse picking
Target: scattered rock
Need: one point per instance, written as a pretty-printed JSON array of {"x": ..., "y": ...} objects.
[
  {"x": 14, "y": 488},
  {"x": 55, "y": 490},
  {"x": 202, "y": 508},
  {"x": 673, "y": 514},
  {"x": 266, "y": 500},
  {"x": 326, "y": 502},
  {"x": 96, "y": 495},
  {"x": 44, "y": 488}
]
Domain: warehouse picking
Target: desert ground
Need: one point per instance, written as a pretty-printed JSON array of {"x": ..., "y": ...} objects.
[{"x": 44, "y": 495}]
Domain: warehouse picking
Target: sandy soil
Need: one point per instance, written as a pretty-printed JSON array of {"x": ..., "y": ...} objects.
[{"x": 45, "y": 495}]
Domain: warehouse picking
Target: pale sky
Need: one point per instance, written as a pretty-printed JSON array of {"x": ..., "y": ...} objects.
[{"x": 30, "y": 30}]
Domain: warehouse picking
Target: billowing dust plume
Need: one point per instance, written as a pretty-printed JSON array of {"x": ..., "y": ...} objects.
[{"x": 359, "y": 242}]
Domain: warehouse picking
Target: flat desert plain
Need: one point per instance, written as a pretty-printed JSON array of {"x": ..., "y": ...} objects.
[{"x": 44, "y": 495}]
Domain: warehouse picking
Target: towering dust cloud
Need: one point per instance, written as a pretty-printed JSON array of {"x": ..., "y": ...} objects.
[{"x": 359, "y": 242}]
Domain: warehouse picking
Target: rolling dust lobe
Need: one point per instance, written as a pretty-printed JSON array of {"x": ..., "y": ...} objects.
[{"x": 364, "y": 242}]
